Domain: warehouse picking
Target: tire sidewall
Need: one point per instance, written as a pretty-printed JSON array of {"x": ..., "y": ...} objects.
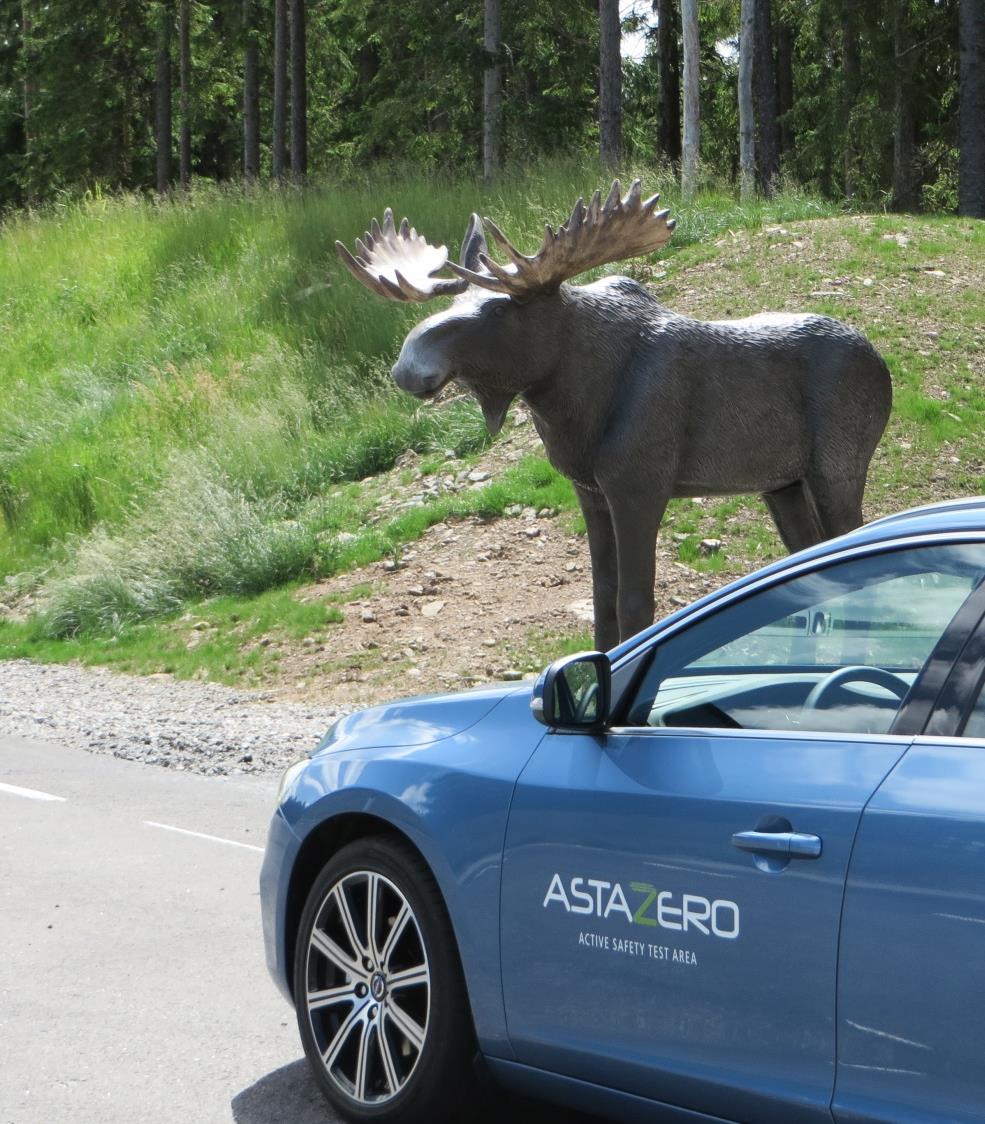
[{"x": 438, "y": 1082}]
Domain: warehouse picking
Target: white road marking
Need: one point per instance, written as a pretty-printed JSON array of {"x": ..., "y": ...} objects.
[
  {"x": 202, "y": 835},
  {"x": 30, "y": 793}
]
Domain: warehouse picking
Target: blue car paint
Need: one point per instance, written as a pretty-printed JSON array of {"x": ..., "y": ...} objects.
[
  {"x": 449, "y": 796},
  {"x": 658, "y": 808},
  {"x": 912, "y": 981},
  {"x": 444, "y": 770}
]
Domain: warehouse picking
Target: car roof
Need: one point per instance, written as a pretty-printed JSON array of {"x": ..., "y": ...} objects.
[{"x": 947, "y": 517}]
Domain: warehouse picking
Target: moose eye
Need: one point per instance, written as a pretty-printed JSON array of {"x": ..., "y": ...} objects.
[{"x": 499, "y": 311}]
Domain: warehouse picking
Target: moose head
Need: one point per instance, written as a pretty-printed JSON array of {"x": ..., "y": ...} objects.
[
  {"x": 634, "y": 403},
  {"x": 517, "y": 304}
]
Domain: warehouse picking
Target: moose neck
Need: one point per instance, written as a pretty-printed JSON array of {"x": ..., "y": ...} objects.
[{"x": 575, "y": 395}]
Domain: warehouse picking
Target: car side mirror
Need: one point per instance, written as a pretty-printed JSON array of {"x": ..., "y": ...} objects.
[{"x": 574, "y": 693}]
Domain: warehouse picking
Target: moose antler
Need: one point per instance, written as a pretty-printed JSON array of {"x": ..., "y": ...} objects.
[
  {"x": 399, "y": 264},
  {"x": 593, "y": 235}
]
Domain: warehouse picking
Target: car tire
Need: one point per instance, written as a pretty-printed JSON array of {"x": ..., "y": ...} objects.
[{"x": 384, "y": 1020}]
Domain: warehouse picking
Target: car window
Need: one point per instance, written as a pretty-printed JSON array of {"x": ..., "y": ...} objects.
[{"x": 837, "y": 649}]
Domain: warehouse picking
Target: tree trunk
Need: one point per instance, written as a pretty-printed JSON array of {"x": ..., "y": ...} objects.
[
  {"x": 492, "y": 89},
  {"x": 251, "y": 93},
  {"x": 29, "y": 87},
  {"x": 610, "y": 83},
  {"x": 904, "y": 132},
  {"x": 668, "y": 82},
  {"x": 784, "y": 83},
  {"x": 162, "y": 95},
  {"x": 851, "y": 70},
  {"x": 747, "y": 131},
  {"x": 184, "y": 94},
  {"x": 764, "y": 89},
  {"x": 971, "y": 122},
  {"x": 692, "y": 103},
  {"x": 299, "y": 92},
  {"x": 279, "y": 141}
]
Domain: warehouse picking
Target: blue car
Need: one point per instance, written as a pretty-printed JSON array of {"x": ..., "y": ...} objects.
[{"x": 733, "y": 869}]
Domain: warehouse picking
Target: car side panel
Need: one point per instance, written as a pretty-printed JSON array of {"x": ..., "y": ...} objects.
[
  {"x": 584, "y": 1097},
  {"x": 451, "y": 800},
  {"x": 911, "y": 1016}
]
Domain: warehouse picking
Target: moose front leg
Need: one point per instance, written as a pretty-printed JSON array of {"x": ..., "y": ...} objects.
[
  {"x": 602, "y": 549},
  {"x": 636, "y": 520}
]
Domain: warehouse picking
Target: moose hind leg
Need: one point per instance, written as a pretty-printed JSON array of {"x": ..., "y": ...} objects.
[
  {"x": 795, "y": 515},
  {"x": 838, "y": 503}
]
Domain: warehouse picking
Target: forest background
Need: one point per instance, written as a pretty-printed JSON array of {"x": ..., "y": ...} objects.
[{"x": 877, "y": 101}]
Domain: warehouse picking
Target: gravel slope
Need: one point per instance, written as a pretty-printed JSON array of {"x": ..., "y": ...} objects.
[{"x": 200, "y": 727}]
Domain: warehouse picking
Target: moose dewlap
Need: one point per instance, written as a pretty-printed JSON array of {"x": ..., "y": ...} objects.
[{"x": 635, "y": 403}]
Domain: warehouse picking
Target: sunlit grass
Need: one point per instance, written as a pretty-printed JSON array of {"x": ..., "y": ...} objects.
[
  {"x": 190, "y": 387},
  {"x": 193, "y": 391}
]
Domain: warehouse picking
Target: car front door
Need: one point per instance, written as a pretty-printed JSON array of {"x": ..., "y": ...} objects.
[{"x": 672, "y": 889}]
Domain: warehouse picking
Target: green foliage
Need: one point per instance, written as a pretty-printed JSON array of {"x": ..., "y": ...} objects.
[
  {"x": 226, "y": 639},
  {"x": 404, "y": 82}
]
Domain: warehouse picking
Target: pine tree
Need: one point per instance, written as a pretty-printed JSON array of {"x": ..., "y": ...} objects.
[
  {"x": 184, "y": 93},
  {"x": 747, "y": 119},
  {"x": 610, "y": 83},
  {"x": 971, "y": 159},
  {"x": 251, "y": 93},
  {"x": 692, "y": 102},
  {"x": 278, "y": 157},
  {"x": 492, "y": 89},
  {"x": 905, "y": 187},
  {"x": 668, "y": 82},
  {"x": 765, "y": 99},
  {"x": 162, "y": 95},
  {"x": 299, "y": 91}
]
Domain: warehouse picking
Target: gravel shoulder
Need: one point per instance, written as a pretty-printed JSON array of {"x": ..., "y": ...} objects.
[{"x": 199, "y": 727}]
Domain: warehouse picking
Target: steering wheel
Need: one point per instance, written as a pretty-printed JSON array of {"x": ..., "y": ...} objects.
[{"x": 855, "y": 674}]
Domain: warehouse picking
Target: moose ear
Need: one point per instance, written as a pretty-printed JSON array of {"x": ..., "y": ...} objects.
[{"x": 473, "y": 245}]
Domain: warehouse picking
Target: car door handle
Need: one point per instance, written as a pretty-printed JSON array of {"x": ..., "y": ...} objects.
[{"x": 791, "y": 843}]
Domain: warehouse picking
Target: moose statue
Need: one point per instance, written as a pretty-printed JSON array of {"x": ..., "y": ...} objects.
[{"x": 636, "y": 404}]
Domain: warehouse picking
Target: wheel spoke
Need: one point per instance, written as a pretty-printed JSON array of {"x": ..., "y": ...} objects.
[
  {"x": 338, "y": 956},
  {"x": 408, "y": 977},
  {"x": 396, "y": 930},
  {"x": 331, "y": 997},
  {"x": 342, "y": 902},
  {"x": 389, "y": 1065},
  {"x": 362, "y": 1060},
  {"x": 331, "y": 1053},
  {"x": 373, "y": 893},
  {"x": 408, "y": 1027}
]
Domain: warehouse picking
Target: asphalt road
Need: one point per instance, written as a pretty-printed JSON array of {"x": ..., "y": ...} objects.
[{"x": 132, "y": 980}]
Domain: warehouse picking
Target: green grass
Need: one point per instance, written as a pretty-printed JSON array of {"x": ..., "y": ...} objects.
[
  {"x": 193, "y": 391},
  {"x": 187, "y": 384},
  {"x": 235, "y": 640}
]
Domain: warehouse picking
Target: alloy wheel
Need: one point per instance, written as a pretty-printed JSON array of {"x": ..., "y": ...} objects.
[{"x": 368, "y": 987}]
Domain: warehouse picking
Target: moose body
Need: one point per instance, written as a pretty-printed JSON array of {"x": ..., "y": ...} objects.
[{"x": 637, "y": 404}]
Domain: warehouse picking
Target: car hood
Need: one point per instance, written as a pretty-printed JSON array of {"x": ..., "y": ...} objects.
[{"x": 417, "y": 721}]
